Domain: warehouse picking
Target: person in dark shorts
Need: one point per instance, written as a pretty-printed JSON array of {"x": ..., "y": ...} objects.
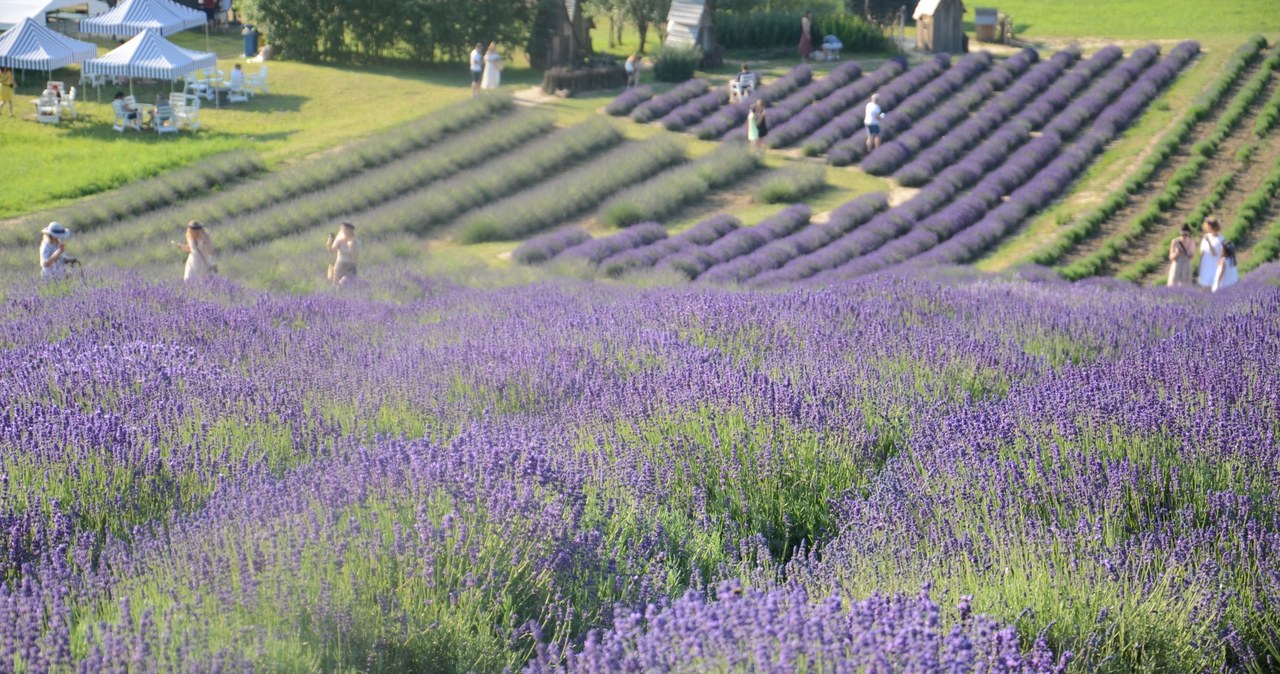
[
  {"x": 872, "y": 122},
  {"x": 477, "y": 68}
]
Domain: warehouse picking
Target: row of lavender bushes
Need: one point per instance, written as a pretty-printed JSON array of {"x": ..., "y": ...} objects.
[
  {"x": 658, "y": 106},
  {"x": 896, "y": 90},
  {"x": 692, "y": 263},
  {"x": 900, "y": 117},
  {"x": 734, "y": 115},
  {"x": 667, "y": 192},
  {"x": 807, "y": 121},
  {"x": 780, "y": 111},
  {"x": 900, "y": 147}
]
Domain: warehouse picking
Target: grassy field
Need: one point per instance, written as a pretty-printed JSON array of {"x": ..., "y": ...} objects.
[
  {"x": 310, "y": 108},
  {"x": 1139, "y": 19}
]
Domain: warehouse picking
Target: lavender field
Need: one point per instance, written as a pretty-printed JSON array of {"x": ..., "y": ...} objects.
[{"x": 910, "y": 472}]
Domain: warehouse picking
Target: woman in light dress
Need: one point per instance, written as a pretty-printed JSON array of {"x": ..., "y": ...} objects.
[
  {"x": 1227, "y": 274},
  {"x": 53, "y": 251},
  {"x": 492, "y": 68},
  {"x": 199, "y": 250},
  {"x": 806, "y": 36},
  {"x": 753, "y": 127},
  {"x": 347, "y": 248},
  {"x": 1180, "y": 258},
  {"x": 1210, "y": 252}
]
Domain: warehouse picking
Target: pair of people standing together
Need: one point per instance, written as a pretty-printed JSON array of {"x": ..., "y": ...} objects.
[
  {"x": 1218, "y": 268},
  {"x": 486, "y": 68}
]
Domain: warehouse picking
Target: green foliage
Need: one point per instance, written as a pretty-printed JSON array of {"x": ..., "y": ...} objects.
[
  {"x": 792, "y": 183},
  {"x": 665, "y": 194},
  {"x": 775, "y": 30},
  {"x": 308, "y": 30},
  {"x": 676, "y": 64},
  {"x": 571, "y": 193}
]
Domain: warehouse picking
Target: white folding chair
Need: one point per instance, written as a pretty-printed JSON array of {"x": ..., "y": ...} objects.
[
  {"x": 47, "y": 109},
  {"x": 741, "y": 86},
  {"x": 257, "y": 82},
  {"x": 189, "y": 114},
  {"x": 165, "y": 121},
  {"x": 123, "y": 120},
  {"x": 68, "y": 103}
]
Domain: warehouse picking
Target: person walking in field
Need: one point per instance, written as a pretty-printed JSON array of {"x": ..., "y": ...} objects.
[
  {"x": 6, "y": 90},
  {"x": 872, "y": 122},
  {"x": 1227, "y": 274},
  {"x": 477, "y": 68},
  {"x": 53, "y": 252},
  {"x": 492, "y": 76},
  {"x": 806, "y": 36},
  {"x": 1210, "y": 252},
  {"x": 761, "y": 119},
  {"x": 346, "y": 247},
  {"x": 1180, "y": 259},
  {"x": 632, "y": 67},
  {"x": 199, "y": 250}
]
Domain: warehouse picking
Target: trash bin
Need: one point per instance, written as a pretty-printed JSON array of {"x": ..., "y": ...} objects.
[{"x": 250, "y": 41}]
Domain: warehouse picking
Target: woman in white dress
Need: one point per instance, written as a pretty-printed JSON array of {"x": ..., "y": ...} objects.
[
  {"x": 492, "y": 68},
  {"x": 199, "y": 250},
  {"x": 1210, "y": 252},
  {"x": 53, "y": 251},
  {"x": 1227, "y": 274}
]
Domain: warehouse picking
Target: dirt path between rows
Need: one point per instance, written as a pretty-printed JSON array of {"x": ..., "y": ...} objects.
[
  {"x": 1249, "y": 176},
  {"x": 1155, "y": 185}
]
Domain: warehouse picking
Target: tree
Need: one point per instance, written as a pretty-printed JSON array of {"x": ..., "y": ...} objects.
[{"x": 646, "y": 12}]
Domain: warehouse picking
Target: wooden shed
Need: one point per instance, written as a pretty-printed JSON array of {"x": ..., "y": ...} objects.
[
  {"x": 569, "y": 44},
  {"x": 690, "y": 23},
  {"x": 940, "y": 26}
]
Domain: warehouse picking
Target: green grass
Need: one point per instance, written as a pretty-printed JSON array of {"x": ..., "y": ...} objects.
[
  {"x": 310, "y": 108},
  {"x": 1137, "y": 19}
]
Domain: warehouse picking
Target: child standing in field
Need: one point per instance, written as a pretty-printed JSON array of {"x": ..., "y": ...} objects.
[
  {"x": 6, "y": 90},
  {"x": 1180, "y": 259},
  {"x": 1227, "y": 274},
  {"x": 477, "y": 68},
  {"x": 199, "y": 250},
  {"x": 633, "y": 70},
  {"x": 346, "y": 247}
]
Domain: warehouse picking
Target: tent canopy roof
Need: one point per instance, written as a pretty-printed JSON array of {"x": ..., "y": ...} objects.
[
  {"x": 33, "y": 46},
  {"x": 12, "y": 12},
  {"x": 132, "y": 17},
  {"x": 149, "y": 55}
]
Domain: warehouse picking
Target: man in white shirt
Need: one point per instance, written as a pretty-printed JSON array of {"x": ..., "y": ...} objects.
[
  {"x": 872, "y": 122},
  {"x": 477, "y": 68}
]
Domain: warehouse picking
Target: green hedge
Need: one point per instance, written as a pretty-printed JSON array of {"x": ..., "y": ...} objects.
[
  {"x": 773, "y": 30},
  {"x": 676, "y": 64}
]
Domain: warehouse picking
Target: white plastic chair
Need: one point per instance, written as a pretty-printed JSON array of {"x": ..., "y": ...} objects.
[
  {"x": 741, "y": 86},
  {"x": 257, "y": 82},
  {"x": 165, "y": 121},
  {"x": 68, "y": 103},
  {"x": 122, "y": 120},
  {"x": 47, "y": 110},
  {"x": 188, "y": 115},
  {"x": 831, "y": 46}
]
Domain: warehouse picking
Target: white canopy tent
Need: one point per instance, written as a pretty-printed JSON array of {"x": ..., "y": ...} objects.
[
  {"x": 12, "y": 12},
  {"x": 133, "y": 17},
  {"x": 33, "y": 46},
  {"x": 151, "y": 56}
]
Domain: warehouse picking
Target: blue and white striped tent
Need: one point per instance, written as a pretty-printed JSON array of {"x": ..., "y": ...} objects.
[
  {"x": 151, "y": 56},
  {"x": 133, "y": 17},
  {"x": 32, "y": 46}
]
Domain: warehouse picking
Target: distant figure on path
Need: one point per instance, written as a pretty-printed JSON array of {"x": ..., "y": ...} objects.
[
  {"x": 872, "y": 122},
  {"x": 199, "y": 250},
  {"x": 53, "y": 251},
  {"x": 806, "y": 36},
  {"x": 633, "y": 70},
  {"x": 1227, "y": 273},
  {"x": 1210, "y": 252},
  {"x": 6, "y": 90},
  {"x": 492, "y": 76},
  {"x": 477, "y": 68},
  {"x": 1180, "y": 259},
  {"x": 347, "y": 247},
  {"x": 761, "y": 119}
]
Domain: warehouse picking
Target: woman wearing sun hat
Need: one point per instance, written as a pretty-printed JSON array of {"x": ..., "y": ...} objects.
[
  {"x": 199, "y": 250},
  {"x": 53, "y": 251}
]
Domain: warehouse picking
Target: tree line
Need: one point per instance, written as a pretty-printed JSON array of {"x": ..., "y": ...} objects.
[{"x": 444, "y": 30}]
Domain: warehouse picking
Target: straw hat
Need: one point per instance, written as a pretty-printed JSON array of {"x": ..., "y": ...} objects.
[{"x": 56, "y": 230}]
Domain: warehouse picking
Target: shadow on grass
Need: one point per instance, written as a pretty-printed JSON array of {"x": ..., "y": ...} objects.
[{"x": 263, "y": 103}]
